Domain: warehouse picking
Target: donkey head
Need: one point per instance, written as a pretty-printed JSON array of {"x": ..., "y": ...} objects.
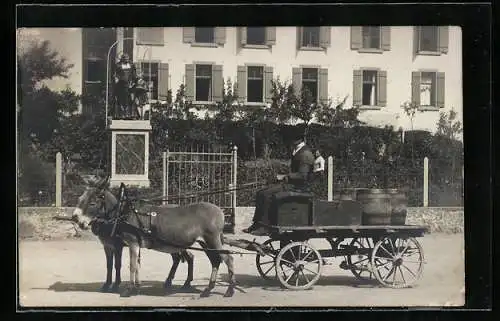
[{"x": 94, "y": 189}]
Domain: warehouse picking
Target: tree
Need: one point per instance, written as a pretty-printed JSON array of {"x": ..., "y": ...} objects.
[
  {"x": 38, "y": 62},
  {"x": 41, "y": 108},
  {"x": 448, "y": 125},
  {"x": 410, "y": 109}
]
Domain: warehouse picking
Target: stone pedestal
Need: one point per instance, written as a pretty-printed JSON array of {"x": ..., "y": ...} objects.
[{"x": 130, "y": 152}]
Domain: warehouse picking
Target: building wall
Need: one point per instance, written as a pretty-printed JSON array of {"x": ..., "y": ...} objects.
[{"x": 339, "y": 59}]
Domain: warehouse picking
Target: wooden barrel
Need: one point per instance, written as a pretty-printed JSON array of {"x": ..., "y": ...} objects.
[
  {"x": 399, "y": 204},
  {"x": 376, "y": 204}
]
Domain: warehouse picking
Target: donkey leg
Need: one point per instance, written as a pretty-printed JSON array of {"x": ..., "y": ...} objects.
[
  {"x": 228, "y": 259},
  {"x": 137, "y": 279},
  {"x": 118, "y": 267},
  {"x": 176, "y": 258},
  {"x": 190, "y": 261},
  {"x": 108, "y": 251},
  {"x": 215, "y": 260},
  {"x": 134, "y": 266}
]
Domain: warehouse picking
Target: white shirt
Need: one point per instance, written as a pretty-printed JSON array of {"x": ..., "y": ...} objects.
[
  {"x": 319, "y": 164},
  {"x": 297, "y": 148}
]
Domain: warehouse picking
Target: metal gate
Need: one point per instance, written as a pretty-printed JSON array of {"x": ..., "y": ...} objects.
[{"x": 192, "y": 176}]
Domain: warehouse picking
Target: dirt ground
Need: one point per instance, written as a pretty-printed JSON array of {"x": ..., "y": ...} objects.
[{"x": 70, "y": 273}]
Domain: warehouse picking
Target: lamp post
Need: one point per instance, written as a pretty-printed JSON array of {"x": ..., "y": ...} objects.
[{"x": 107, "y": 73}]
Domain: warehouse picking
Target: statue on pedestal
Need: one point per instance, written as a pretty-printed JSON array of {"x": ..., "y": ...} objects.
[{"x": 125, "y": 78}]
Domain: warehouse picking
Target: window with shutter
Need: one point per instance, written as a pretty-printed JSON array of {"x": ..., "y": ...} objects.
[
  {"x": 310, "y": 37},
  {"x": 371, "y": 37},
  {"x": 203, "y": 83},
  {"x": 204, "y": 35},
  {"x": 256, "y": 35},
  {"x": 255, "y": 84},
  {"x": 150, "y": 36},
  {"x": 310, "y": 83},
  {"x": 428, "y": 89},
  {"x": 369, "y": 94},
  {"x": 428, "y": 39}
]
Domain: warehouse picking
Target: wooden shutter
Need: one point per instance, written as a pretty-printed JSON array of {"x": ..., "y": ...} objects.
[
  {"x": 217, "y": 83},
  {"x": 189, "y": 82},
  {"x": 440, "y": 86},
  {"x": 220, "y": 35},
  {"x": 243, "y": 35},
  {"x": 382, "y": 88},
  {"x": 270, "y": 36},
  {"x": 162, "y": 81},
  {"x": 150, "y": 36},
  {"x": 415, "y": 88},
  {"x": 241, "y": 79},
  {"x": 188, "y": 34},
  {"x": 385, "y": 33},
  {"x": 268, "y": 78},
  {"x": 297, "y": 80},
  {"x": 323, "y": 86},
  {"x": 356, "y": 38},
  {"x": 299, "y": 37},
  {"x": 324, "y": 37},
  {"x": 416, "y": 39},
  {"x": 357, "y": 81},
  {"x": 443, "y": 39}
]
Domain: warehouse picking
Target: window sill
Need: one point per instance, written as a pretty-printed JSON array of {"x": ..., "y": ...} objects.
[
  {"x": 206, "y": 45},
  {"x": 364, "y": 107},
  {"x": 312, "y": 48},
  {"x": 429, "y": 53},
  {"x": 370, "y": 50},
  {"x": 197, "y": 102},
  {"x": 428, "y": 108},
  {"x": 93, "y": 81},
  {"x": 249, "y": 46},
  {"x": 255, "y": 104},
  {"x": 140, "y": 43}
]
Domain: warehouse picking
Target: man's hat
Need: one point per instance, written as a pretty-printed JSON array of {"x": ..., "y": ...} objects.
[
  {"x": 124, "y": 56},
  {"x": 297, "y": 138}
]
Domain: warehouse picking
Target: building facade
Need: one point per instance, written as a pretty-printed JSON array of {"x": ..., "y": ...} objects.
[{"x": 377, "y": 68}]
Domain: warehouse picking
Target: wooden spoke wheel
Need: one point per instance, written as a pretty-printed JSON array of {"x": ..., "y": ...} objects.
[
  {"x": 266, "y": 265},
  {"x": 360, "y": 262},
  {"x": 397, "y": 262},
  {"x": 298, "y": 266}
]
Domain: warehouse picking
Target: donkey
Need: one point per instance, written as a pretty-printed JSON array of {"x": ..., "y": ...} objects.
[
  {"x": 113, "y": 245},
  {"x": 175, "y": 230}
]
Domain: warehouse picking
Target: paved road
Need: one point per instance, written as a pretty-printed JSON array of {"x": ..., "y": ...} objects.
[{"x": 70, "y": 273}]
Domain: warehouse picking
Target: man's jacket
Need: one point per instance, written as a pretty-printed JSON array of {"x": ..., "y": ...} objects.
[{"x": 301, "y": 168}]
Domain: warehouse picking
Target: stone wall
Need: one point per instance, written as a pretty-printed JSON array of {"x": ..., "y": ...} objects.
[{"x": 36, "y": 223}]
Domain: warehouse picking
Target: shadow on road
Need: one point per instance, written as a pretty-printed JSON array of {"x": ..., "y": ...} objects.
[
  {"x": 148, "y": 288},
  {"x": 248, "y": 281}
]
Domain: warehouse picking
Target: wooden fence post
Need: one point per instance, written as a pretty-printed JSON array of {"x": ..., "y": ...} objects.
[
  {"x": 426, "y": 182},
  {"x": 165, "y": 178},
  {"x": 58, "y": 179},
  {"x": 330, "y": 178},
  {"x": 235, "y": 176}
]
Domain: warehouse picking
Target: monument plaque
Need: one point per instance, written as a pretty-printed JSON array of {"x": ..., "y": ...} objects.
[{"x": 130, "y": 152}]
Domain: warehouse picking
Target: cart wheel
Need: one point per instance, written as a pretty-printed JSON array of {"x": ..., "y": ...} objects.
[
  {"x": 361, "y": 261},
  {"x": 298, "y": 266},
  {"x": 266, "y": 265},
  {"x": 397, "y": 262}
]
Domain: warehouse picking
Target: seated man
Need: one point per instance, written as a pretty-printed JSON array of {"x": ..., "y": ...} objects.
[{"x": 297, "y": 180}]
